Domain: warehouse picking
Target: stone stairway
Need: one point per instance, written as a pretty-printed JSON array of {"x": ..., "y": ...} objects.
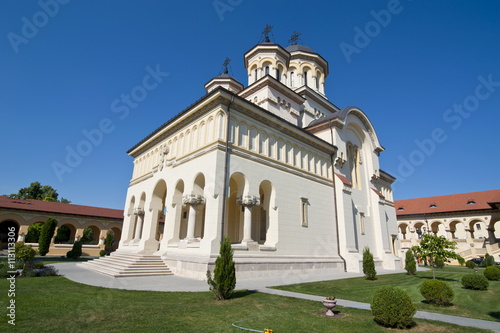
[{"x": 128, "y": 264}]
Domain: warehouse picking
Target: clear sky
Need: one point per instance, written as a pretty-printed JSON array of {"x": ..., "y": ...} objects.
[{"x": 427, "y": 74}]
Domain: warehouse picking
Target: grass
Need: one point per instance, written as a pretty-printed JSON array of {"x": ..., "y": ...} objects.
[
  {"x": 55, "y": 304},
  {"x": 467, "y": 303}
]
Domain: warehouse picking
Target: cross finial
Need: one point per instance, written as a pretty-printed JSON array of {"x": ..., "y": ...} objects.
[
  {"x": 295, "y": 38},
  {"x": 266, "y": 32},
  {"x": 225, "y": 66}
]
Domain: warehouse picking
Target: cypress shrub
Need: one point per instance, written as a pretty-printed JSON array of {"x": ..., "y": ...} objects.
[
  {"x": 224, "y": 280},
  {"x": 470, "y": 264},
  {"x": 437, "y": 292},
  {"x": 46, "y": 236},
  {"x": 410, "y": 264},
  {"x": 475, "y": 282},
  {"x": 488, "y": 261},
  {"x": 76, "y": 251},
  {"x": 492, "y": 273},
  {"x": 392, "y": 307},
  {"x": 369, "y": 265}
]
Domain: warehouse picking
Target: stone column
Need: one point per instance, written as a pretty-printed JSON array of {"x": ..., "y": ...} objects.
[
  {"x": 138, "y": 226},
  {"x": 193, "y": 200},
  {"x": 449, "y": 235},
  {"x": 248, "y": 201},
  {"x": 491, "y": 235}
]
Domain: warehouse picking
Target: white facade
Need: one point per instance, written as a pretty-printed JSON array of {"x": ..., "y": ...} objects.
[{"x": 291, "y": 179}]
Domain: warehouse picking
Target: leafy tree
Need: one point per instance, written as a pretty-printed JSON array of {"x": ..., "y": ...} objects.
[
  {"x": 88, "y": 235},
  {"x": 435, "y": 248},
  {"x": 224, "y": 279},
  {"x": 369, "y": 265},
  {"x": 46, "y": 236},
  {"x": 34, "y": 231},
  {"x": 38, "y": 191},
  {"x": 63, "y": 234},
  {"x": 410, "y": 264}
]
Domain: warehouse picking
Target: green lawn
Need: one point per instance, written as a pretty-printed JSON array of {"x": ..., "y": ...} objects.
[
  {"x": 55, "y": 304},
  {"x": 467, "y": 303}
]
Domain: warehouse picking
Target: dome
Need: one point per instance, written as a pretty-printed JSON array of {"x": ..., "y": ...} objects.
[{"x": 294, "y": 48}]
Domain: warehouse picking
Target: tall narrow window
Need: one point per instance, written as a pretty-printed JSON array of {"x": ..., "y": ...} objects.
[
  {"x": 304, "y": 218},
  {"x": 362, "y": 222},
  {"x": 292, "y": 79},
  {"x": 256, "y": 75},
  {"x": 305, "y": 78},
  {"x": 317, "y": 82},
  {"x": 278, "y": 74},
  {"x": 267, "y": 70}
]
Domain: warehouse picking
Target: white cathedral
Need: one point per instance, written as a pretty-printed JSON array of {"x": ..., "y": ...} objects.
[{"x": 291, "y": 179}]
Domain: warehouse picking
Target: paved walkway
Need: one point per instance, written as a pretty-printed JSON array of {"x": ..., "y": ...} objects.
[{"x": 182, "y": 284}]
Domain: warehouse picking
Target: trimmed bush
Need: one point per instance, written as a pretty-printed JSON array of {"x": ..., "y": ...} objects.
[
  {"x": 475, "y": 282},
  {"x": 437, "y": 292},
  {"x": 470, "y": 264},
  {"x": 24, "y": 253},
  {"x": 102, "y": 253},
  {"x": 492, "y": 273},
  {"x": 410, "y": 264},
  {"x": 369, "y": 265},
  {"x": 76, "y": 251},
  {"x": 46, "y": 235},
  {"x": 392, "y": 307}
]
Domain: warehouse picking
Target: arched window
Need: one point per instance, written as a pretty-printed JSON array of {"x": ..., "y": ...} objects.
[
  {"x": 267, "y": 70},
  {"x": 317, "y": 82},
  {"x": 256, "y": 75},
  {"x": 278, "y": 74},
  {"x": 305, "y": 78},
  {"x": 292, "y": 79}
]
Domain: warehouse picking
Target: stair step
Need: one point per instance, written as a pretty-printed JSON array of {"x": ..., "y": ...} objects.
[{"x": 124, "y": 264}]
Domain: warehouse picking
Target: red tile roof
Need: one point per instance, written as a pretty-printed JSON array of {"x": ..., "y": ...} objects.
[
  {"x": 343, "y": 179},
  {"x": 448, "y": 203},
  {"x": 57, "y": 207}
]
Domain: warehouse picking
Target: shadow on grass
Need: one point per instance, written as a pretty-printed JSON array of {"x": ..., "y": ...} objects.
[
  {"x": 437, "y": 278},
  {"x": 495, "y": 315},
  {"x": 436, "y": 305},
  {"x": 242, "y": 293}
]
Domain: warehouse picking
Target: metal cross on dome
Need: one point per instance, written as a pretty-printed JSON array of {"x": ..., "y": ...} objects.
[
  {"x": 225, "y": 66},
  {"x": 295, "y": 38},
  {"x": 266, "y": 32}
]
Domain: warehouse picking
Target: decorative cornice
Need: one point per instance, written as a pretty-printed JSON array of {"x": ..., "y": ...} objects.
[{"x": 193, "y": 199}]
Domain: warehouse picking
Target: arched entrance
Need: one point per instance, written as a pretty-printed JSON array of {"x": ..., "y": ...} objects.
[{"x": 234, "y": 216}]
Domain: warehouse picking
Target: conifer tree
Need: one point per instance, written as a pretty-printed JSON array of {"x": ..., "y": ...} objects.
[
  {"x": 410, "y": 264},
  {"x": 46, "y": 236},
  {"x": 369, "y": 265},
  {"x": 224, "y": 279}
]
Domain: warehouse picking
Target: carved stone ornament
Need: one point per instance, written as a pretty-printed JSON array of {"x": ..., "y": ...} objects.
[
  {"x": 248, "y": 200},
  {"x": 193, "y": 199},
  {"x": 138, "y": 211}
]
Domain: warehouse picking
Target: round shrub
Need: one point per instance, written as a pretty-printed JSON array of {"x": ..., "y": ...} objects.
[
  {"x": 470, "y": 264},
  {"x": 492, "y": 273},
  {"x": 437, "y": 292},
  {"x": 475, "y": 282},
  {"x": 102, "y": 253},
  {"x": 392, "y": 307}
]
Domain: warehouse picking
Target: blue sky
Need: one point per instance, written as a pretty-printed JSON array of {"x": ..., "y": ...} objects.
[{"x": 427, "y": 74}]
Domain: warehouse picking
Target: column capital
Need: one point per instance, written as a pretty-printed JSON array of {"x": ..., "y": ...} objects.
[
  {"x": 193, "y": 199},
  {"x": 138, "y": 211},
  {"x": 248, "y": 200}
]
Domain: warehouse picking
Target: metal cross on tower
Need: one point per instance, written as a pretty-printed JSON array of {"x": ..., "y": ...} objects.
[
  {"x": 225, "y": 66},
  {"x": 295, "y": 38}
]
